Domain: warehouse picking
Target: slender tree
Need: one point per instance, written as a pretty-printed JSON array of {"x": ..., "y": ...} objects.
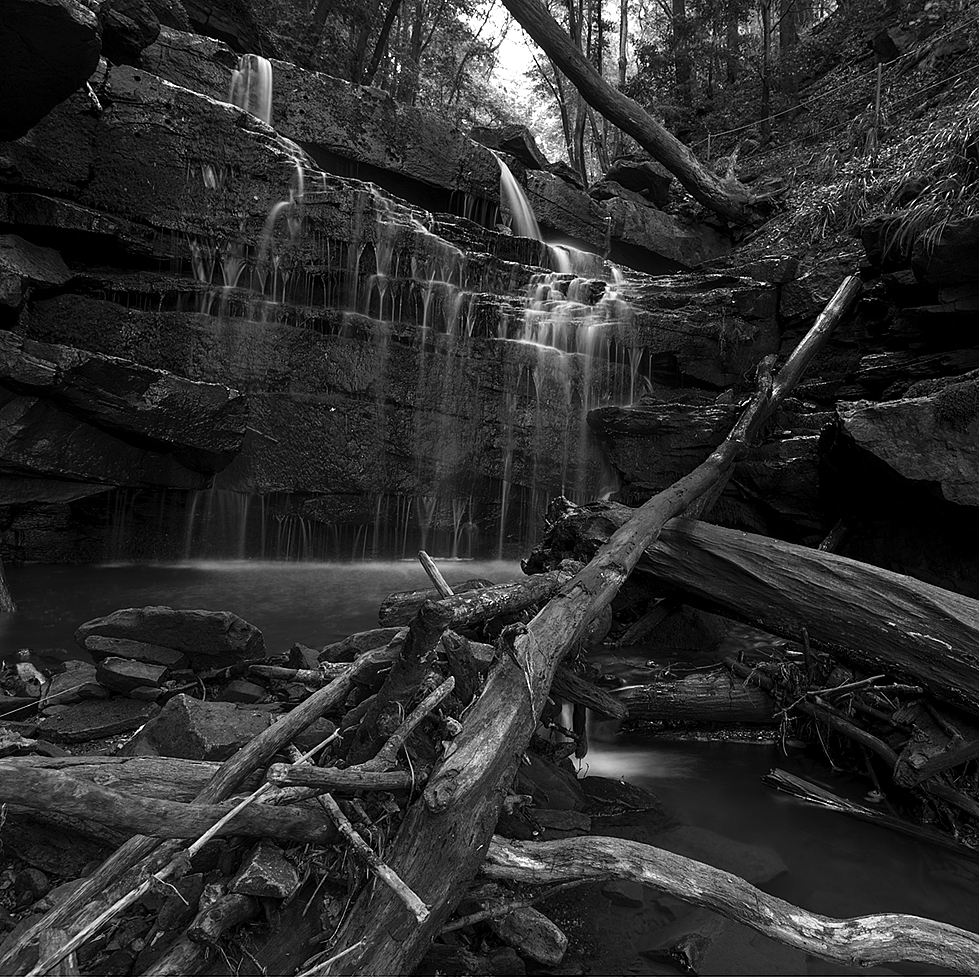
[{"x": 726, "y": 198}]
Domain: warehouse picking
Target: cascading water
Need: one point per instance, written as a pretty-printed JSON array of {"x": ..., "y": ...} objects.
[
  {"x": 251, "y": 86},
  {"x": 441, "y": 322}
]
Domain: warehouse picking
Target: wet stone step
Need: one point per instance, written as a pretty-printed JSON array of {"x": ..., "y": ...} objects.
[{"x": 93, "y": 719}]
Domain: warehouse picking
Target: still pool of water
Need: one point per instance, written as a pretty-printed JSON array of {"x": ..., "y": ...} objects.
[{"x": 836, "y": 865}]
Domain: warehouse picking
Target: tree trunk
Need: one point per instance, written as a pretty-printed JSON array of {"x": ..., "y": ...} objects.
[
  {"x": 48, "y": 791},
  {"x": 733, "y": 46},
  {"x": 864, "y": 941},
  {"x": 382, "y": 41},
  {"x": 875, "y": 619},
  {"x": 681, "y": 53},
  {"x": 766, "y": 66},
  {"x": 440, "y": 842},
  {"x": 705, "y": 186},
  {"x": 7, "y": 603},
  {"x": 788, "y": 40},
  {"x": 711, "y": 698}
]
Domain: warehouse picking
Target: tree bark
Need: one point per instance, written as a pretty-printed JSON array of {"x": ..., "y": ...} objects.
[
  {"x": 705, "y": 186},
  {"x": 440, "y": 842},
  {"x": 713, "y": 698},
  {"x": 7, "y": 603},
  {"x": 53, "y": 792},
  {"x": 118, "y": 875},
  {"x": 862, "y": 941}
]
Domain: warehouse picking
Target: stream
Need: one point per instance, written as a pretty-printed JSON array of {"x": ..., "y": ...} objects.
[{"x": 837, "y": 866}]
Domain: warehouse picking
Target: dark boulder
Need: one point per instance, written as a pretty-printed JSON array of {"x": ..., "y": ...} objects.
[
  {"x": 241, "y": 24},
  {"x": 24, "y": 264},
  {"x": 926, "y": 439},
  {"x": 208, "y": 638},
  {"x": 189, "y": 728},
  {"x": 48, "y": 49},
  {"x": 128, "y": 26},
  {"x": 649, "y": 179},
  {"x": 93, "y": 719},
  {"x": 951, "y": 257},
  {"x": 517, "y": 141},
  {"x": 202, "y": 425},
  {"x": 39, "y": 440}
]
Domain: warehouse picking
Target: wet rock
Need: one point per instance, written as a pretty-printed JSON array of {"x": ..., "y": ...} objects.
[
  {"x": 243, "y": 692},
  {"x": 606, "y": 190},
  {"x": 147, "y": 692},
  {"x": 776, "y": 486},
  {"x": 30, "y": 885},
  {"x": 124, "y": 675},
  {"x": 241, "y": 23},
  {"x": 505, "y": 961},
  {"x": 93, "y": 719},
  {"x": 532, "y": 934},
  {"x": 128, "y": 26},
  {"x": 551, "y": 786},
  {"x": 625, "y": 893},
  {"x": 951, "y": 257},
  {"x": 754, "y": 863},
  {"x": 201, "y": 425},
  {"x": 677, "y": 239},
  {"x": 452, "y": 960},
  {"x": 142, "y": 652},
  {"x": 210, "y": 639},
  {"x": 651, "y": 180},
  {"x": 713, "y": 328},
  {"x": 38, "y": 439},
  {"x": 563, "y": 208},
  {"x": 607, "y": 796},
  {"x": 189, "y": 728},
  {"x": 565, "y": 820},
  {"x": 926, "y": 439},
  {"x": 266, "y": 873},
  {"x": 23, "y": 264},
  {"x": 517, "y": 141},
  {"x": 48, "y": 48},
  {"x": 77, "y": 682},
  {"x": 707, "y": 944},
  {"x": 303, "y": 657},
  {"x": 202, "y": 64}
]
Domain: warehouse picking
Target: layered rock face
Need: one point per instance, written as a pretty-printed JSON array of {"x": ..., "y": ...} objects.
[{"x": 184, "y": 287}]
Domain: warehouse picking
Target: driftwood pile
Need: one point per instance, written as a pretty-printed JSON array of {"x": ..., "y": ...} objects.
[{"x": 437, "y": 716}]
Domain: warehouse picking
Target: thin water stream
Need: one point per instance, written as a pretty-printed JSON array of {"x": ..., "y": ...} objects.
[{"x": 835, "y": 865}]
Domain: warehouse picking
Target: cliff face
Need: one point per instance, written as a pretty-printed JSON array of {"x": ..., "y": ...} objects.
[{"x": 398, "y": 374}]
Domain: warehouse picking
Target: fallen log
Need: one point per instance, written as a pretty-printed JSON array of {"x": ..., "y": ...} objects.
[
  {"x": 176, "y": 779},
  {"x": 844, "y": 725},
  {"x": 480, "y": 604},
  {"x": 572, "y": 687},
  {"x": 441, "y": 839},
  {"x": 119, "y": 876},
  {"x": 343, "y": 780},
  {"x": 48, "y": 791},
  {"x": 809, "y": 791},
  {"x": 873, "y": 618},
  {"x": 703, "y": 697},
  {"x": 862, "y": 941}
]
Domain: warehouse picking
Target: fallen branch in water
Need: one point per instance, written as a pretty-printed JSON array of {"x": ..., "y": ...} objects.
[{"x": 863, "y": 941}]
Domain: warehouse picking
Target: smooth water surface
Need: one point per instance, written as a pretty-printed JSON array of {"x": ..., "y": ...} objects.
[{"x": 314, "y": 604}]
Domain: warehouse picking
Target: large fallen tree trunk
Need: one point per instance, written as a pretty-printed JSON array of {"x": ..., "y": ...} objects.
[
  {"x": 177, "y": 779},
  {"x": 873, "y": 618},
  {"x": 862, "y": 941},
  {"x": 440, "y": 843},
  {"x": 48, "y": 791},
  {"x": 713, "y": 697},
  {"x": 729, "y": 201}
]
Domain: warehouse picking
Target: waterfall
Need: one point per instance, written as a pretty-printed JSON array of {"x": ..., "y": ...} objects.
[
  {"x": 522, "y": 217},
  {"x": 451, "y": 383},
  {"x": 251, "y": 86}
]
